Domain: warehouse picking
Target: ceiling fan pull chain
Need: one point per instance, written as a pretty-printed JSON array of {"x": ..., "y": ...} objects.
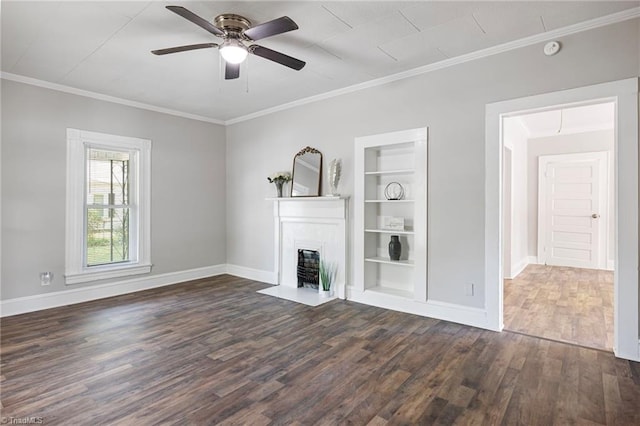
[
  {"x": 247, "y": 75},
  {"x": 221, "y": 67}
]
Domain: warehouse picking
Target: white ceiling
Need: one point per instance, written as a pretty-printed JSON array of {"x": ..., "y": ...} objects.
[
  {"x": 104, "y": 47},
  {"x": 586, "y": 118}
]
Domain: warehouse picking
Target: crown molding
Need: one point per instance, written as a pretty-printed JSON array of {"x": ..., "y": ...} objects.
[
  {"x": 602, "y": 21},
  {"x": 106, "y": 98}
]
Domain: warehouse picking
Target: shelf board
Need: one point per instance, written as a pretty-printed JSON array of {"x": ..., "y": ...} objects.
[
  {"x": 389, "y": 231},
  {"x": 389, "y": 201},
  {"x": 393, "y": 147},
  {"x": 390, "y": 172},
  {"x": 305, "y": 199},
  {"x": 391, "y": 291},
  {"x": 388, "y": 261}
]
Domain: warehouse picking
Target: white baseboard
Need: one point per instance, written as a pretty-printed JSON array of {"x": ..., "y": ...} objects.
[
  {"x": 533, "y": 260},
  {"x": 268, "y": 277},
  {"x": 467, "y": 315},
  {"x": 21, "y": 305},
  {"x": 630, "y": 355},
  {"x": 460, "y": 314},
  {"x": 610, "y": 265},
  {"x": 518, "y": 267}
]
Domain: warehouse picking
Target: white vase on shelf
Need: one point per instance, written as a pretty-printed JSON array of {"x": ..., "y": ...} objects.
[{"x": 333, "y": 174}]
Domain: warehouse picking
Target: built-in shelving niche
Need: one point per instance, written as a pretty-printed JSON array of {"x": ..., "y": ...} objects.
[{"x": 380, "y": 159}]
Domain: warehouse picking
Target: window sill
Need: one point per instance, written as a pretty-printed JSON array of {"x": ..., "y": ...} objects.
[{"x": 103, "y": 273}]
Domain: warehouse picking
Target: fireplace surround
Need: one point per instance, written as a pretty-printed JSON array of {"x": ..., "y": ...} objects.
[{"x": 317, "y": 224}]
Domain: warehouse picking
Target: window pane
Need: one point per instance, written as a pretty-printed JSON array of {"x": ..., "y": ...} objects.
[
  {"x": 108, "y": 177},
  {"x": 107, "y": 235}
]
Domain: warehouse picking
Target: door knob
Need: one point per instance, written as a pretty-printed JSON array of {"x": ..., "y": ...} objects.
[{"x": 595, "y": 215}]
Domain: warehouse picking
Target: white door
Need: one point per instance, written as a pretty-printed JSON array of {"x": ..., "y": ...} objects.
[{"x": 572, "y": 209}]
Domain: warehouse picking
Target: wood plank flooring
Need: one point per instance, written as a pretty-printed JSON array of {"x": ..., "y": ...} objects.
[
  {"x": 573, "y": 305},
  {"x": 216, "y": 352}
]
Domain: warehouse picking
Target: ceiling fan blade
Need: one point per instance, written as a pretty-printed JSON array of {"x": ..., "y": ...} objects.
[
  {"x": 278, "y": 57},
  {"x": 231, "y": 71},
  {"x": 271, "y": 28},
  {"x": 183, "y": 48},
  {"x": 201, "y": 22}
]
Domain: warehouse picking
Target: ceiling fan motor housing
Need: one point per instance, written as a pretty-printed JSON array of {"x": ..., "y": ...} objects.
[{"x": 232, "y": 24}]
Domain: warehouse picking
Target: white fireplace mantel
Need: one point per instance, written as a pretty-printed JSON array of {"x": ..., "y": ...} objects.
[{"x": 317, "y": 223}]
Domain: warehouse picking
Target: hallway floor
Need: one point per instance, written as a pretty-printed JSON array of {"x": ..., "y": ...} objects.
[{"x": 571, "y": 305}]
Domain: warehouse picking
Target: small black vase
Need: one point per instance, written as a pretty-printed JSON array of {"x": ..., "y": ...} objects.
[{"x": 395, "y": 248}]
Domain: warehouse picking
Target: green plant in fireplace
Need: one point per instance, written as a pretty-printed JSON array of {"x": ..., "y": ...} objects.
[{"x": 327, "y": 275}]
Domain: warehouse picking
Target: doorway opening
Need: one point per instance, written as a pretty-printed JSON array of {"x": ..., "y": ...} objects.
[
  {"x": 624, "y": 94},
  {"x": 558, "y": 228}
]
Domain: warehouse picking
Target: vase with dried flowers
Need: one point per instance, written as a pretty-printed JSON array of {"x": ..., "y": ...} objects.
[{"x": 279, "y": 179}]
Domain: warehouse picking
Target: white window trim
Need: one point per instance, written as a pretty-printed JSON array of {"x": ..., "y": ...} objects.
[{"x": 75, "y": 269}]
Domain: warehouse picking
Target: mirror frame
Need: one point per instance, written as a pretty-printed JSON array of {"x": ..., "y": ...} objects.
[{"x": 303, "y": 151}]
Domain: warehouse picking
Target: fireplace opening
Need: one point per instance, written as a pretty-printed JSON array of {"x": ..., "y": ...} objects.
[{"x": 308, "y": 268}]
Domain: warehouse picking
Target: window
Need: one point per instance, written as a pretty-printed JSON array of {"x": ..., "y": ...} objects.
[{"x": 108, "y": 206}]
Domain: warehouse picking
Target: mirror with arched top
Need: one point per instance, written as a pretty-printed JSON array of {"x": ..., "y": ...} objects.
[{"x": 307, "y": 173}]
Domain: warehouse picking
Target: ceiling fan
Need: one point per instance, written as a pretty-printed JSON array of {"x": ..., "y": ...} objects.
[{"x": 237, "y": 34}]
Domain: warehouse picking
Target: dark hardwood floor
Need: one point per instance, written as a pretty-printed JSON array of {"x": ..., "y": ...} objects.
[{"x": 215, "y": 352}]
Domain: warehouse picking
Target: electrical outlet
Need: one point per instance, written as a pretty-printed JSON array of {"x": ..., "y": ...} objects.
[
  {"x": 46, "y": 278},
  {"x": 469, "y": 289}
]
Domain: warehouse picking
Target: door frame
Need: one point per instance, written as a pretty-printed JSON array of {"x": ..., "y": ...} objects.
[
  {"x": 507, "y": 211},
  {"x": 624, "y": 93},
  {"x": 603, "y": 204}
]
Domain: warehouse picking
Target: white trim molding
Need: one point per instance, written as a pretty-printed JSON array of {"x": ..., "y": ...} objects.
[
  {"x": 102, "y": 97},
  {"x": 106, "y": 273},
  {"x": 21, "y": 305},
  {"x": 533, "y": 260},
  {"x": 268, "y": 277},
  {"x": 518, "y": 267},
  {"x": 79, "y": 142},
  {"x": 602, "y": 21},
  {"x": 475, "y": 317}
]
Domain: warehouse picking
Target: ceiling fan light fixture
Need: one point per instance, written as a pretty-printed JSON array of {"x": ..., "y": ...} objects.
[
  {"x": 233, "y": 51},
  {"x": 235, "y": 31}
]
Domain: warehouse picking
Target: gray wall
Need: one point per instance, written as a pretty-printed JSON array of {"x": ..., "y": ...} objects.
[
  {"x": 190, "y": 182},
  {"x": 187, "y": 181},
  {"x": 452, "y": 103}
]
